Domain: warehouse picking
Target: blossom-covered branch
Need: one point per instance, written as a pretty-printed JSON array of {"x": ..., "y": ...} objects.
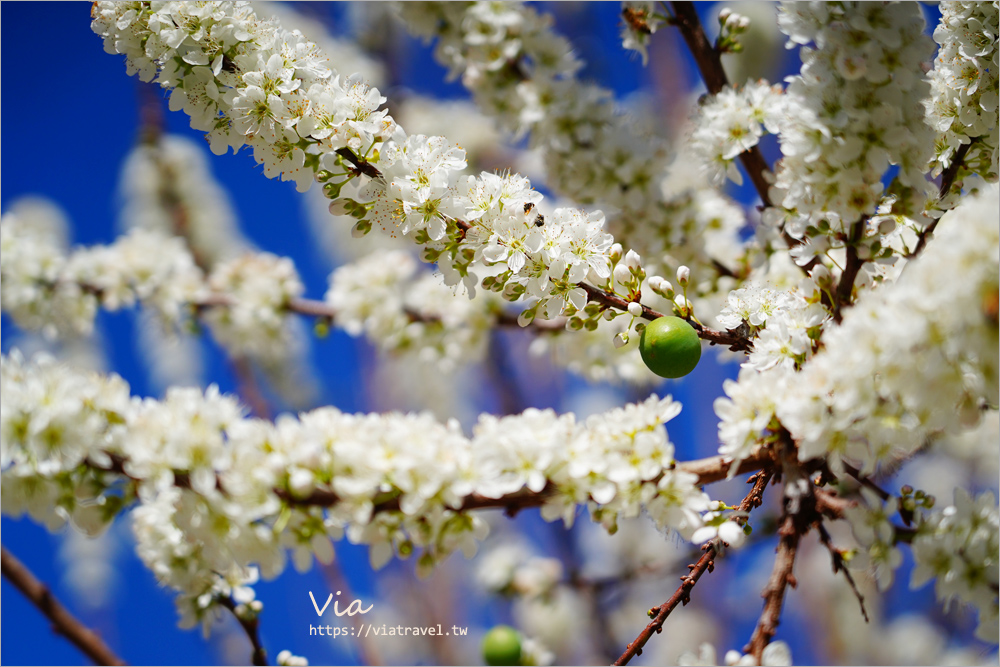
[
  {"x": 524, "y": 73},
  {"x": 214, "y": 494},
  {"x": 252, "y": 82}
]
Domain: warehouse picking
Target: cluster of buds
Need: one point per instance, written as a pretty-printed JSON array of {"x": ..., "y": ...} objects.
[{"x": 731, "y": 26}]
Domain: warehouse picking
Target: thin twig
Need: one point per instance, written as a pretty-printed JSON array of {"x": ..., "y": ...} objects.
[
  {"x": 681, "y": 596},
  {"x": 831, "y": 505},
  {"x": 248, "y": 389},
  {"x": 865, "y": 481},
  {"x": 251, "y": 627},
  {"x": 947, "y": 180},
  {"x": 706, "y": 563},
  {"x": 837, "y": 558},
  {"x": 63, "y": 622},
  {"x": 731, "y": 339}
]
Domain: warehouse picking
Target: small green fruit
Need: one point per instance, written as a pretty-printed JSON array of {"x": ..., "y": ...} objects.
[
  {"x": 502, "y": 646},
  {"x": 670, "y": 347}
]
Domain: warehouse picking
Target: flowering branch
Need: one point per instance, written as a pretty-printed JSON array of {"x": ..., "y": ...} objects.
[
  {"x": 63, "y": 622},
  {"x": 251, "y": 626},
  {"x": 710, "y": 65},
  {"x": 706, "y": 563},
  {"x": 708, "y": 470},
  {"x": 734, "y": 341},
  {"x": 594, "y": 294}
]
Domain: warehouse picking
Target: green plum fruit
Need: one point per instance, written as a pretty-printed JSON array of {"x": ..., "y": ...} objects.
[
  {"x": 670, "y": 347},
  {"x": 502, "y": 646}
]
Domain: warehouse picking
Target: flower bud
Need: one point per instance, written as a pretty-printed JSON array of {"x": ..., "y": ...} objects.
[
  {"x": 683, "y": 275},
  {"x": 621, "y": 340},
  {"x": 633, "y": 260},
  {"x": 339, "y": 207},
  {"x": 360, "y": 229},
  {"x": 622, "y": 275},
  {"x": 615, "y": 253},
  {"x": 634, "y": 309},
  {"x": 822, "y": 276}
]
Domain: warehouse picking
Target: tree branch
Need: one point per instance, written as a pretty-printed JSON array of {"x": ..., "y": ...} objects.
[
  {"x": 251, "y": 627},
  {"x": 708, "y": 470},
  {"x": 63, "y": 622},
  {"x": 735, "y": 342},
  {"x": 947, "y": 180},
  {"x": 851, "y": 268},
  {"x": 799, "y": 515},
  {"x": 731, "y": 339},
  {"x": 774, "y": 591},
  {"x": 706, "y": 563},
  {"x": 710, "y": 65}
]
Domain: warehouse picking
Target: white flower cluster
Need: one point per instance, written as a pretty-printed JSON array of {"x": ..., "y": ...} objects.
[
  {"x": 855, "y": 108},
  {"x": 783, "y": 322},
  {"x": 401, "y": 308},
  {"x": 221, "y": 496},
  {"x": 732, "y": 122},
  {"x": 878, "y": 389},
  {"x": 45, "y": 288},
  {"x": 247, "y": 81},
  {"x": 963, "y": 107},
  {"x": 524, "y": 74},
  {"x": 912, "y": 362},
  {"x": 33, "y": 245},
  {"x": 957, "y": 547},
  {"x": 258, "y": 287}
]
